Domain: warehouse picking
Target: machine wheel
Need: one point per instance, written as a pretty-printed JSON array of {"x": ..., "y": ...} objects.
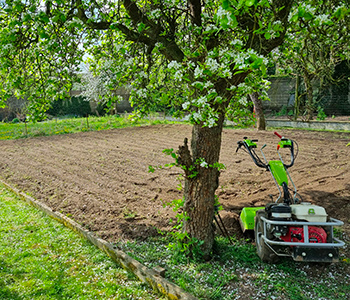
[{"x": 263, "y": 250}]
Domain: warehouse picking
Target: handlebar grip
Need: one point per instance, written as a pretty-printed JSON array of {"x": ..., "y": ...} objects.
[{"x": 276, "y": 133}]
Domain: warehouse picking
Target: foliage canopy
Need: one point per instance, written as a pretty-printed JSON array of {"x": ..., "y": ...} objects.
[{"x": 201, "y": 57}]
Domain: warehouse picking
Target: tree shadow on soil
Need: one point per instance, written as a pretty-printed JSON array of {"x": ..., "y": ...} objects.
[{"x": 337, "y": 205}]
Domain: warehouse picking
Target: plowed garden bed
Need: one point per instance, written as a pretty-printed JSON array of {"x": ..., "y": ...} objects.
[{"x": 101, "y": 179}]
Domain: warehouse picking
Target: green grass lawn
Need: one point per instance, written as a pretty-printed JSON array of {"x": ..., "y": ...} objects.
[
  {"x": 236, "y": 266},
  {"x": 71, "y": 125},
  {"x": 42, "y": 259}
]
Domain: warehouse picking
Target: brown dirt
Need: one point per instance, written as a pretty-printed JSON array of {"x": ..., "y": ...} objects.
[{"x": 101, "y": 179}]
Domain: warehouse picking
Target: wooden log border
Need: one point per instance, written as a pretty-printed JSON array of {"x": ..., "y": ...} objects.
[{"x": 146, "y": 275}]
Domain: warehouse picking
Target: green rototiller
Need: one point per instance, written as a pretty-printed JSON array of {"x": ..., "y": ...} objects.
[{"x": 288, "y": 227}]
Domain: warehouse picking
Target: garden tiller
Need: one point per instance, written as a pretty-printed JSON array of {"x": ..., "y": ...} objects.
[{"x": 288, "y": 227}]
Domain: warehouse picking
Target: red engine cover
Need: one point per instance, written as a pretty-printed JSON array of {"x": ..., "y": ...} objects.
[{"x": 296, "y": 234}]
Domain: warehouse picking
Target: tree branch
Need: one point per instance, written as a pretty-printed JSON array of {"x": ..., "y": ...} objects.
[
  {"x": 102, "y": 25},
  {"x": 196, "y": 11},
  {"x": 134, "y": 36},
  {"x": 258, "y": 42},
  {"x": 150, "y": 36}
]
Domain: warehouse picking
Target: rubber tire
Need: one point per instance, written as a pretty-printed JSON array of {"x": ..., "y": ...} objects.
[{"x": 263, "y": 250}]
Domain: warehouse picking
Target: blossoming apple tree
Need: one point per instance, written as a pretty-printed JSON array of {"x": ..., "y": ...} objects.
[{"x": 198, "y": 56}]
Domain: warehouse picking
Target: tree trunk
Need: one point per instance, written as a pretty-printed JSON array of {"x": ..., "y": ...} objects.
[
  {"x": 201, "y": 183},
  {"x": 296, "y": 99},
  {"x": 309, "y": 96},
  {"x": 259, "y": 111}
]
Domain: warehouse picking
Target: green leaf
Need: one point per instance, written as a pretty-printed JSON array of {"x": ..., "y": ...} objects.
[
  {"x": 224, "y": 22},
  {"x": 238, "y": 72},
  {"x": 43, "y": 34},
  {"x": 338, "y": 13},
  {"x": 295, "y": 18},
  {"x": 196, "y": 53},
  {"x": 27, "y": 17},
  {"x": 267, "y": 35},
  {"x": 56, "y": 18},
  {"x": 250, "y": 2},
  {"x": 226, "y": 4},
  {"x": 199, "y": 85},
  {"x": 207, "y": 72},
  {"x": 18, "y": 7},
  {"x": 301, "y": 12},
  {"x": 308, "y": 16},
  {"x": 234, "y": 21},
  {"x": 63, "y": 18},
  {"x": 141, "y": 27},
  {"x": 257, "y": 63},
  {"x": 212, "y": 95}
]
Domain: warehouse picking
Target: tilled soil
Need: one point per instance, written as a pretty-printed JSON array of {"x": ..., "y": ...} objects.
[{"x": 101, "y": 179}]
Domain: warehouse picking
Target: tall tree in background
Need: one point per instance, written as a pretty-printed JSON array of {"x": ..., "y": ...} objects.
[
  {"x": 258, "y": 110},
  {"x": 39, "y": 53},
  {"x": 195, "y": 55},
  {"x": 317, "y": 43}
]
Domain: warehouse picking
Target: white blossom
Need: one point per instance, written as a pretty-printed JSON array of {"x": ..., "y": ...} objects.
[
  {"x": 310, "y": 9},
  {"x": 169, "y": 2},
  {"x": 211, "y": 53},
  {"x": 277, "y": 22},
  {"x": 204, "y": 164},
  {"x": 198, "y": 72},
  {"x": 197, "y": 116},
  {"x": 174, "y": 65},
  {"x": 202, "y": 100},
  {"x": 212, "y": 91},
  {"x": 118, "y": 47},
  {"x": 186, "y": 105},
  {"x": 243, "y": 100},
  {"x": 227, "y": 73},
  {"x": 143, "y": 74},
  {"x": 237, "y": 42},
  {"x": 142, "y": 93},
  {"x": 155, "y": 13},
  {"x": 212, "y": 64},
  {"x": 251, "y": 51},
  {"x": 178, "y": 75},
  {"x": 210, "y": 122},
  {"x": 208, "y": 84},
  {"x": 240, "y": 60},
  {"x": 243, "y": 87},
  {"x": 187, "y": 117},
  {"x": 211, "y": 27},
  {"x": 322, "y": 18},
  {"x": 129, "y": 62},
  {"x": 221, "y": 12}
]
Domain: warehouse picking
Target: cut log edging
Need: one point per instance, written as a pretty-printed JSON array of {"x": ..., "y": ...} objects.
[{"x": 146, "y": 275}]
